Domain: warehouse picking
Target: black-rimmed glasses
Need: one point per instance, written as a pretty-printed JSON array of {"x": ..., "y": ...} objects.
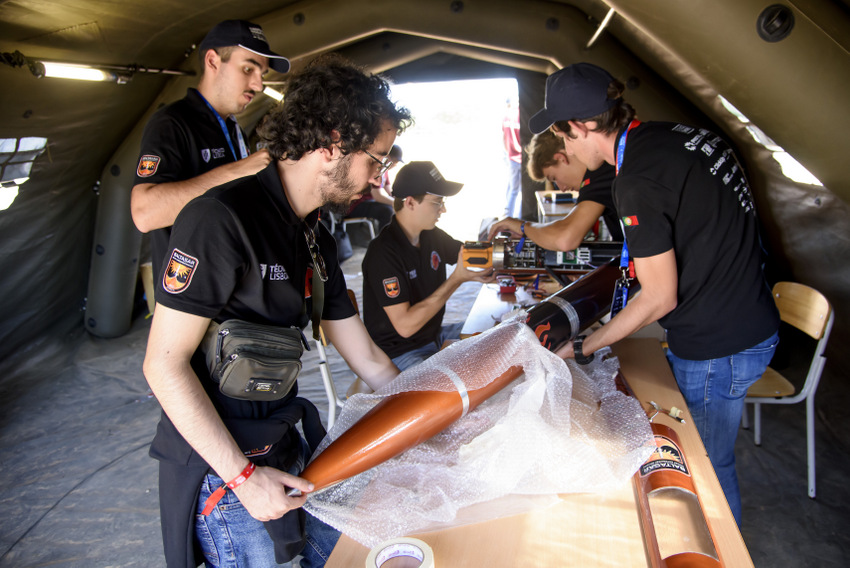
[
  {"x": 313, "y": 246},
  {"x": 385, "y": 164}
]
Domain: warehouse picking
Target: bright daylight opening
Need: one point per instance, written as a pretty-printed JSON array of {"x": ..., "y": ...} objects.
[
  {"x": 16, "y": 158},
  {"x": 791, "y": 168},
  {"x": 459, "y": 128}
]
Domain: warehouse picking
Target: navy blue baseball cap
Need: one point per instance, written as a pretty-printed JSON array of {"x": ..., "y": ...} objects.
[
  {"x": 576, "y": 92},
  {"x": 247, "y": 35},
  {"x": 419, "y": 178}
]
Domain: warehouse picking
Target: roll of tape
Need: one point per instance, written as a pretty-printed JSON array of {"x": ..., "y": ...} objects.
[{"x": 407, "y": 547}]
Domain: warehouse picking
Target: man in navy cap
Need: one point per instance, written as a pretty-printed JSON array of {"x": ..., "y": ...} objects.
[
  {"x": 405, "y": 288},
  {"x": 692, "y": 235},
  {"x": 195, "y": 144}
]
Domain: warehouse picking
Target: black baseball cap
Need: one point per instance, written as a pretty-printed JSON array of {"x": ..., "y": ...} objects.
[
  {"x": 419, "y": 178},
  {"x": 246, "y": 35},
  {"x": 576, "y": 92}
]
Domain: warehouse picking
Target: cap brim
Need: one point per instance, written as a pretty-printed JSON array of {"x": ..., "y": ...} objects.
[
  {"x": 447, "y": 188},
  {"x": 540, "y": 122},
  {"x": 277, "y": 62}
]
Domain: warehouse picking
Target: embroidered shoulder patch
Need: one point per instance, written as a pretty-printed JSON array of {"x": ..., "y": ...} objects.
[
  {"x": 147, "y": 165},
  {"x": 178, "y": 274},
  {"x": 631, "y": 221},
  {"x": 391, "y": 287}
]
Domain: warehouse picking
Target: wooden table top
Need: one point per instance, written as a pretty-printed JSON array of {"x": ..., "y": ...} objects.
[{"x": 592, "y": 529}]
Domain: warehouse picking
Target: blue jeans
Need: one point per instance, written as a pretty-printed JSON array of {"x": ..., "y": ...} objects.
[
  {"x": 231, "y": 538},
  {"x": 512, "y": 207},
  {"x": 714, "y": 390},
  {"x": 416, "y": 356}
]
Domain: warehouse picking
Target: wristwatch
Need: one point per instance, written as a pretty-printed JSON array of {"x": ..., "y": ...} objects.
[{"x": 581, "y": 358}]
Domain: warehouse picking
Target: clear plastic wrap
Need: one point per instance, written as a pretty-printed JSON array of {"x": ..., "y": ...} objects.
[{"x": 558, "y": 428}]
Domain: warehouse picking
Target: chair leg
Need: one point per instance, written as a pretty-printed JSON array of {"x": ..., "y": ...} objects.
[
  {"x": 371, "y": 228},
  {"x": 810, "y": 442},
  {"x": 745, "y": 418},
  {"x": 757, "y": 422},
  {"x": 327, "y": 379}
]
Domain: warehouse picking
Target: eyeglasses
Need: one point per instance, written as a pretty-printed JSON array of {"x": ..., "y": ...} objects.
[
  {"x": 439, "y": 204},
  {"x": 313, "y": 246},
  {"x": 385, "y": 164}
]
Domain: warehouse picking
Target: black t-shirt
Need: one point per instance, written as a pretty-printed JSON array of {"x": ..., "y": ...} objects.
[
  {"x": 394, "y": 272},
  {"x": 596, "y": 187},
  {"x": 239, "y": 251},
  {"x": 682, "y": 188},
  {"x": 181, "y": 141}
]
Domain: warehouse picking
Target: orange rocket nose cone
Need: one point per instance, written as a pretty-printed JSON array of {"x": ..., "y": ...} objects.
[{"x": 394, "y": 425}]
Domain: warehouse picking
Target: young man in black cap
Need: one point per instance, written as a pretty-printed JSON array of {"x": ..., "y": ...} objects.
[
  {"x": 405, "y": 288},
  {"x": 253, "y": 250},
  {"x": 195, "y": 143},
  {"x": 692, "y": 233},
  {"x": 548, "y": 160}
]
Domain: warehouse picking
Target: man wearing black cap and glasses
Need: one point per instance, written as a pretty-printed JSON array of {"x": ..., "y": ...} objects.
[
  {"x": 195, "y": 143},
  {"x": 692, "y": 234},
  {"x": 253, "y": 250},
  {"x": 405, "y": 288}
]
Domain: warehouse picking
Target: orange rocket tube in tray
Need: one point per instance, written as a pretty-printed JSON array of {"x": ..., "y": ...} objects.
[{"x": 406, "y": 419}]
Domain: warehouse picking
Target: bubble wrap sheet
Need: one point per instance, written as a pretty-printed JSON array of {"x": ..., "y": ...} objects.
[{"x": 558, "y": 428}]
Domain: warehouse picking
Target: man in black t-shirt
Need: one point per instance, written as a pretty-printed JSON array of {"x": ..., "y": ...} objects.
[
  {"x": 547, "y": 160},
  {"x": 195, "y": 143},
  {"x": 405, "y": 288},
  {"x": 692, "y": 232},
  {"x": 248, "y": 250}
]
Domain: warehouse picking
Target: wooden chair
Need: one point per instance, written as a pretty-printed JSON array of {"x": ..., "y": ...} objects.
[
  {"x": 809, "y": 311},
  {"x": 327, "y": 378}
]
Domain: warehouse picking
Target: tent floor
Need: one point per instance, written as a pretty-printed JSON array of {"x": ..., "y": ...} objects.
[{"x": 77, "y": 487}]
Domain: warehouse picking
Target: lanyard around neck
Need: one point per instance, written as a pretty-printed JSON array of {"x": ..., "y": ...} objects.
[
  {"x": 243, "y": 149},
  {"x": 626, "y": 264}
]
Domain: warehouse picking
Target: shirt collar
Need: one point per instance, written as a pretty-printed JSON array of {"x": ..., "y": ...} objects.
[{"x": 270, "y": 179}]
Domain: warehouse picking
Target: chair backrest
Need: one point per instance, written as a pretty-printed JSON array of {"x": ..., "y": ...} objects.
[
  {"x": 803, "y": 307},
  {"x": 353, "y": 298}
]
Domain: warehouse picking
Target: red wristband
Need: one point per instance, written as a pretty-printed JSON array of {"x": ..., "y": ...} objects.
[{"x": 216, "y": 496}]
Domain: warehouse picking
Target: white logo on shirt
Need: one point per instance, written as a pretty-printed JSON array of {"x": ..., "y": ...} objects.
[
  {"x": 412, "y": 274},
  {"x": 205, "y": 154},
  {"x": 277, "y": 272}
]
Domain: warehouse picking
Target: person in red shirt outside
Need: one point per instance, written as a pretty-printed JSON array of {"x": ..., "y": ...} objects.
[{"x": 513, "y": 150}]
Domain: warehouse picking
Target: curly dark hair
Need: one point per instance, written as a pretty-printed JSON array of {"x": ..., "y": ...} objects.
[{"x": 330, "y": 94}]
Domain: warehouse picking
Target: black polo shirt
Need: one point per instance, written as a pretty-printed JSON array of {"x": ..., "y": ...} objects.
[
  {"x": 181, "y": 141},
  {"x": 682, "y": 188},
  {"x": 394, "y": 272},
  {"x": 239, "y": 251},
  {"x": 596, "y": 187}
]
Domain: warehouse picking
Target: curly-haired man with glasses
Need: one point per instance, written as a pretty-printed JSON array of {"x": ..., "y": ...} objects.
[{"x": 248, "y": 250}]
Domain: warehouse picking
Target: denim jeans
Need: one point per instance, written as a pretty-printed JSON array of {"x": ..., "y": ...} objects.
[
  {"x": 231, "y": 538},
  {"x": 416, "y": 356},
  {"x": 714, "y": 391},
  {"x": 513, "y": 201}
]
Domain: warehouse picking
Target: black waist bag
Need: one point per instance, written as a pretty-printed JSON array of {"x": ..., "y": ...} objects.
[{"x": 252, "y": 361}]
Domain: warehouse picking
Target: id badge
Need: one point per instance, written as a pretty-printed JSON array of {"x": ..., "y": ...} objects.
[{"x": 621, "y": 295}]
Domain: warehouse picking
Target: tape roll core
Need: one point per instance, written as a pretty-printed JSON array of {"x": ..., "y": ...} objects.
[{"x": 401, "y": 547}]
